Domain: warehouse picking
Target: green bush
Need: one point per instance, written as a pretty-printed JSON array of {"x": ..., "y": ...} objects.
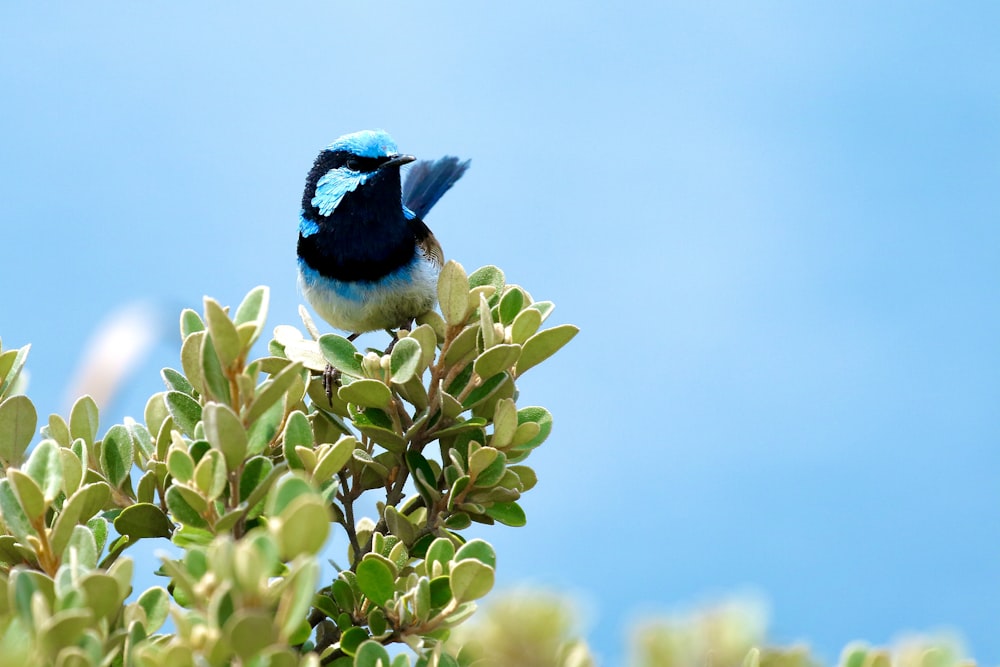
[{"x": 247, "y": 465}]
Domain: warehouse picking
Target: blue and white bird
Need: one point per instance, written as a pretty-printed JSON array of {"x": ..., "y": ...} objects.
[{"x": 367, "y": 261}]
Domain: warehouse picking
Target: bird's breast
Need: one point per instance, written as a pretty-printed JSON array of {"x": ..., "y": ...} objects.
[{"x": 355, "y": 247}]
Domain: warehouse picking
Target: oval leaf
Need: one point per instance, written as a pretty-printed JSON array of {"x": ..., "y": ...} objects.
[
  {"x": 376, "y": 581},
  {"x": 405, "y": 360},
  {"x": 453, "y": 293},
  {"x": 471, "y": 580},
  {"x": 18, "y": 419},
  {"x": 544, "y": 344}
]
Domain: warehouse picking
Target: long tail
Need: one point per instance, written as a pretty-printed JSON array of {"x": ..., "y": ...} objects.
[{"x": 428, "y": 180}]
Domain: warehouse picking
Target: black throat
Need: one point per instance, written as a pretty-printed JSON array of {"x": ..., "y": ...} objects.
[{"x": 366, "y": 237}]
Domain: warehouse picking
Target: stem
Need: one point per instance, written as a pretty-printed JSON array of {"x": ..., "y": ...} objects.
[{"x": 347, "y": 500}]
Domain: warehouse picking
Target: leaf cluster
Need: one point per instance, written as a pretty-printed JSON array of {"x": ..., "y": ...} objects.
[{"x": 248, "y": 464}]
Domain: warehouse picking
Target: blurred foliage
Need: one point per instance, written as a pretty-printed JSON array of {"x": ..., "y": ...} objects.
[
  {"x": 537, "y": 629},
  {"x": 248, "y": 465},
  {"x": 524, "y": 628}
]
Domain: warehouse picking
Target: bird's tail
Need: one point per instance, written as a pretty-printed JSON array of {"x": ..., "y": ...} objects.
[{"x": 428, "y": 180}]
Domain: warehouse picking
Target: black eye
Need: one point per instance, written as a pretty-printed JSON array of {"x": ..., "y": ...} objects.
[{"x": 353, "y": 164}]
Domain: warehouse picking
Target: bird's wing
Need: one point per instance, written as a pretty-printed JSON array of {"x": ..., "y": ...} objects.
[{"x": 428, "y": 245}]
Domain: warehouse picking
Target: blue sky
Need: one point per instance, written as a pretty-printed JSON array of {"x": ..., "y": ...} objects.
[{"x": 776, "y": 226}]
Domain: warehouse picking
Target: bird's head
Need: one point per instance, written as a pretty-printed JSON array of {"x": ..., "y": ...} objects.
[{"x": 367, "y": 160}]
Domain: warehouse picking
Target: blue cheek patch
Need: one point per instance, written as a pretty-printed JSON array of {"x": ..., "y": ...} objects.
[{"x": 332, "y": 187}]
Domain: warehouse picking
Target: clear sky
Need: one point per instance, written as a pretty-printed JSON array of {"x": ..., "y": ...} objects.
[{"x": 776, "y": 224}]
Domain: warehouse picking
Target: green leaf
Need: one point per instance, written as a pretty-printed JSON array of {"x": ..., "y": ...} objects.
[
  {"x": 496, "y": 359},
  {"x": 371, "y": 654},
  {"x": 334, "y": 459},
  {"x": 273, "y": 391},
  {"x": 509, "y": 514},
  {"x": 58, "y": 430},
  {"x": 263, "y": 430},
  {"x": 366, "y": 393},
  {"x": 492, "y": 473},
  {"x": 484, "y": 391},
  {"x": 427, "y": 338},
  {"x": 13, "y": 514},
  {"x": 453, "y": 293},
  {"x": 83, "y": 542},
  {"x": 253, "y": 310},
  {"x": 72, "y": 470},
  {"x": 223, "y": 333},
  {"x": 83, "y": 420},
  {"x": 181, "y": 510},
  {"x": 190, "y": 323},
  {"x": 376, "y": 580},
  {"x": 481, "y": 459},
  {"x": 486, "y": 329},
  {"x": 255, "y": 472},
  {"x": 28, "y": 494},
  {"x": 536, "y": 415},
  {"x": 210, "y": 474},
  {"x": 63, "y": 629},
  {"x": 527, "y": 476},
  {"x": 343, "y": 594},
  {"x": 470, "y": 580},
  {"x": 288, "y": 489},
  {"x": 504, "y": 423},
  {"x": 143, "y": 446},
  {"x": 11, "y": 364},
  {"x": 405, "y": 360},
  {"x": 525, "y": 325},
  {"x": 511, "y": 304},
  {"x": 185, "y": 411},
  {"x": 376, "y": 425},
  {"x": 423, "y": 476},
  {"x": 18, "y": 419},
  {"x": 544, "y": 344},
  {"x": 143, "y": 520},
  {"x": 352, "y": 638},
  {"x": 341, "y": 354},
  {"x": 479, "y": 549},
  {"x": 102, "y": 592},
  {"x": 225, "y": 433},
  {"x": 180, "y": 465},
  {"x": 300, "y": 586},
  {"x": 116, "y": 453},
  {"x": 544, "y": 307},
  {"x": 249, "y": 632},
  {"x": 488, "y": 275},
  {"x": 216, "y": 384},
  {"x": 156, "y": 603},
  {"x": 462, "y": 345},
  {"x": 176, "y": 381},
  {"x": 191, "y": 360},
  {"x": 45, "y": 467},
  {"x": 298, "y": 433}
]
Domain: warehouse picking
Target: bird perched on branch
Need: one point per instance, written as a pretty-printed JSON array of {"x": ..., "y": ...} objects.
[{"x": 367, "y": 261}]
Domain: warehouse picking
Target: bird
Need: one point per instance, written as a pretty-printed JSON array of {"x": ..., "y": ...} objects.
[{"x": 366, "y": 259}]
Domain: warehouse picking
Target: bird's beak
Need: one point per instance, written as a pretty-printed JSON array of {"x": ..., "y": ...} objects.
[{"x": 397, "y": 161}]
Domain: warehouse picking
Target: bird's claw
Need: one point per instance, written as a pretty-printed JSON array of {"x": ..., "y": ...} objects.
[{"x": 331, "y": 378}]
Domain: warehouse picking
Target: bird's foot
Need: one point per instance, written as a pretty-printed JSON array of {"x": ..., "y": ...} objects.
[
  {"x": 331, "y": 376},
  {"x": 405, "y": 325}
]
